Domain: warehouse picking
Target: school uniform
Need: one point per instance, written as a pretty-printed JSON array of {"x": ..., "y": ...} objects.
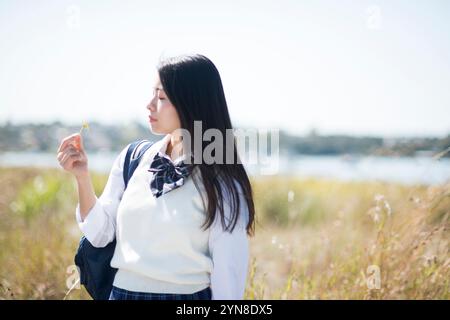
[{"x": 162, "y": 252}]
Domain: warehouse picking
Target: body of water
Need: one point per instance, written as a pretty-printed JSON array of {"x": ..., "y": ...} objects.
[{"x": 405, "y": 170}]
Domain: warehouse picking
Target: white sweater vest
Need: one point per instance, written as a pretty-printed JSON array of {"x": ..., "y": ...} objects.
[{"x": 161, "y": 247}]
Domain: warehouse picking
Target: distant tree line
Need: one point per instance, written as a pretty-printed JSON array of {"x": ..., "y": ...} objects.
[
  {"x": 315, "y": 144},
  {"x": 112, "y": 138}
]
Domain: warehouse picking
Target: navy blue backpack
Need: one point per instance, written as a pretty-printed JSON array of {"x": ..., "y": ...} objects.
[{"x": 96, "y": 273}]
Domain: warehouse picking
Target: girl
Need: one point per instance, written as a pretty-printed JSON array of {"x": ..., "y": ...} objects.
[{"x": 181, "y": 224}]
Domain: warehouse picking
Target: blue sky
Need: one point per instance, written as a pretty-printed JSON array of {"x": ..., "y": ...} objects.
[{"x": 353, "y": 67}]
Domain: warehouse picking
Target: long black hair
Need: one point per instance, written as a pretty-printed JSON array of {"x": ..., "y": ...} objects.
[{"x": 194, "y": 87}]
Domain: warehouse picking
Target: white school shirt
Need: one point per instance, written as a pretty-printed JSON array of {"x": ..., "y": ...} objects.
[{"x": 160, "y": 246}]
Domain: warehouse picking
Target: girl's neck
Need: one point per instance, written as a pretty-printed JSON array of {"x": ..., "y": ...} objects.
[{"x": 174, "y": 147}]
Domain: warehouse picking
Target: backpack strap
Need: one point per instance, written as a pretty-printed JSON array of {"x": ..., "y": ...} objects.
[{"x": 133, "y": 156}]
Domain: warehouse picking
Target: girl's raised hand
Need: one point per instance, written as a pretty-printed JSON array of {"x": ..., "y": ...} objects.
[{"x": 72, "y": 156}]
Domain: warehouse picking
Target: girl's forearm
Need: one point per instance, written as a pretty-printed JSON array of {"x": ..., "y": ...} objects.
[{"x": 86, "y": 194}]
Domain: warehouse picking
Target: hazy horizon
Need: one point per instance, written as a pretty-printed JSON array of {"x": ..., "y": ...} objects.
[{"x": 235, "y": 126}]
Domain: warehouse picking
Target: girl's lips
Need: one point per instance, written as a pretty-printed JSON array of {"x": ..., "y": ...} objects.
[{"x": 151, "y": 118}]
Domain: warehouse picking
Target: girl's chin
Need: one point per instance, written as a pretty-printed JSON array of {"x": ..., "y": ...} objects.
[{"x": 156, "y": 131}]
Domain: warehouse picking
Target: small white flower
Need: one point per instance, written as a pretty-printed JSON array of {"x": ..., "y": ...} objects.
[
  {"x": 274, "y": 239},
  {"x": 376, "y": 217},
  {"x": 388, "y": 208},
  {"x": 291, "y": 196}
]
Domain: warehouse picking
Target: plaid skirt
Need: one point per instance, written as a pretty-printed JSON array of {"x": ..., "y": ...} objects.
[{"x": 122, "y": 294}]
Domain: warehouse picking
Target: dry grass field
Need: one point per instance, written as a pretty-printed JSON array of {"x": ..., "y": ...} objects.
[{"x": 315, "y": 238}]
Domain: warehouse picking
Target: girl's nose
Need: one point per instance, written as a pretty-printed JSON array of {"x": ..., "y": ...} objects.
[{"x": 151, "y": 106}]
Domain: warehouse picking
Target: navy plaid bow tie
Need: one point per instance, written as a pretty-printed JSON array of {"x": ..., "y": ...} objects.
[{"x": 166, "y": 174}]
